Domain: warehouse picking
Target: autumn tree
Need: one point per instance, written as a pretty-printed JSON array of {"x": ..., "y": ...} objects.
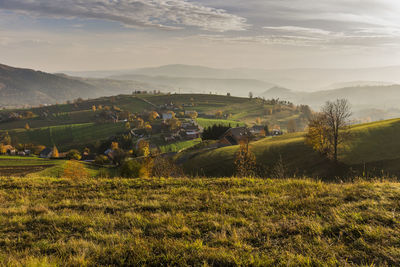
[
  {"x": 153, "y": 115},
  {"x": 174, "y": 124},
  {"x": 74, "y": 154},
  {"x": 218, "y": 114},
  {"x": 6, "y": 139},
  {"x": 317, "y": 135},
  {"x": 55, "y": 152},
  {"x": 337, "y": 115},
  {"x": 75, "y": 170},
  {"x": 114, "y": 145},
  {"x": 329, "y": 129},
  {"x": 245, "y": 161},
  {"x": 27, "y": 127},
  {"x": 139, "y": 123},
  {"x": 93, "y": 108},
  {"x": 148, "y": 128},
  {"x": 193, "y": 115}
]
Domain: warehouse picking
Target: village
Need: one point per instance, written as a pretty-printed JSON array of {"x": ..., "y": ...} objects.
[{"x": 167, "y": 124}]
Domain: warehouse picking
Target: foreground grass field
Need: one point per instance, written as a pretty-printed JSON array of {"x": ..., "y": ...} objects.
[{"x": 47, "y": 221}]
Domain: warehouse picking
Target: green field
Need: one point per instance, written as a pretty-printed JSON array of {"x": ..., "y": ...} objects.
[
  {"x": 178, "y": 146},
  {"x": 68, "y": 136},
  {"x": 198, "y": 222},
  {"x": 22, "y": 166},
  {"x": 374, "y": 147}
]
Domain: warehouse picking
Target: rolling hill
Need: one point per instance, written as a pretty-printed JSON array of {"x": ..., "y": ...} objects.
[
  {"x": 235, "y": 86},
  {"x": 20, "y": 87},
  {"x": 377, "y": 102},
  {"x": 298, "y": 79},
  {"x": 26, "y": 87},
  {"x": 373, "y": 150}
]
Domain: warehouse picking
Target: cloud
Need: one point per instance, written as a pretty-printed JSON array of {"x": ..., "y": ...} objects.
[
  {"x": 164, "y": 14},
  {"x": 299, "y": 30}
]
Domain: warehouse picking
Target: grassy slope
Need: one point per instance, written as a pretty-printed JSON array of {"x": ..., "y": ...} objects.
[
  {"x": 68, "y": 136},
  {"x": 178, "y": 146},
  {"x": 184, "y": 222},
  {"x": 375, "y": 144}
]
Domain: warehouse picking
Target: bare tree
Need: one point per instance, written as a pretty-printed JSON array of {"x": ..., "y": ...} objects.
[{"x": 336, "y": 115}]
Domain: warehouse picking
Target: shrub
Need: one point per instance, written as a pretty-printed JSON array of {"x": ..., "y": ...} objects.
[
  {"x": 74, "y": 154},
  {"x": 101, "y": 160},
  {"x": 75, "y": 170},
  {"x": 131, "y": 169}
]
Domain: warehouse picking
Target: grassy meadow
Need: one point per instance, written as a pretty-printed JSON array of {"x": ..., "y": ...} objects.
[
  {"x": 373, "y": 147},
  {"x": 68, "y": 136},
  {"x": 198, "y": 222}
]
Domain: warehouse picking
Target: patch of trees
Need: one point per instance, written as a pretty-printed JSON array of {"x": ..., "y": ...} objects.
[{"x": 214, "y": 132}]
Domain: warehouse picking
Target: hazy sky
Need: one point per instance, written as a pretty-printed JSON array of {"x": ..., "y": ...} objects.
[{"x": 56, "y": 35}]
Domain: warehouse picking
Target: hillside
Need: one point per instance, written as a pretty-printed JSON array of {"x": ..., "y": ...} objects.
[
  {"x": 299, "y": 79},
  {"x": 20, "y": 87},
  {"x": 373, "y": 150},
  {"x": 181, "y": 222},
  {"x": 26, "y": 87},
  {"x": 377, "y": 102}
]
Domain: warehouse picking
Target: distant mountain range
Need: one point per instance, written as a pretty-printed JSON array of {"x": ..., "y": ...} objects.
[
  {"x": 377, "y": 102},
  {"x": 21, "y": 87},
  {"x": 368, "y": 90},
  {"x": 297, "y": 79}
]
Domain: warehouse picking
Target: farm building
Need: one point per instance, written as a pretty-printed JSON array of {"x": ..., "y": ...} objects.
[
  {"x": 233, "y": 136},
  {"x": 46, "y": 153},
  {"x": 276, "y": 132},
  {"x": 166, "y": 116},
  {"x": 258, "y": 130}
]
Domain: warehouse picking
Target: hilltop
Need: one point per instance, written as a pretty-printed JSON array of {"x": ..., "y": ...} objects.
[
  {"x": 26, "y": 87},
  {"x": 376, "y": 102},
  {"x": 19, "y": 87}
]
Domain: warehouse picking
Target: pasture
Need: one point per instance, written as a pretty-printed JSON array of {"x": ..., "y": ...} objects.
[{"x": 197, "y": 222}]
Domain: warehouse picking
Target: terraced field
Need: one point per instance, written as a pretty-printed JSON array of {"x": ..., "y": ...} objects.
[{"x": 21, "y": 166}]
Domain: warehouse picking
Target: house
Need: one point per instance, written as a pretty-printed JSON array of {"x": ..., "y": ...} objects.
[
  {"x": 258, "y": 130},
  {"x": 234, "y": 136},
  {"x": 109, "y": 153},
  {"x": 192, "y": 134},
  {"x": 276, "y": 132},
  {"x": 46, "y": 153},
  {"x": 166, "y": 116},
  {"x": 7, "y": 149}
]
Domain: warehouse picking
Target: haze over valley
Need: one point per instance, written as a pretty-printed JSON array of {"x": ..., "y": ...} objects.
[{"x": 199, "y": 133}]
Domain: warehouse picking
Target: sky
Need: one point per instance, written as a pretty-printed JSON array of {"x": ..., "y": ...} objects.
[{"x": 77, "y": 35}]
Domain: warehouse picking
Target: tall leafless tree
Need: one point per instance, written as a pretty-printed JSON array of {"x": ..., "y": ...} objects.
[{"x": 337, "y": 114}]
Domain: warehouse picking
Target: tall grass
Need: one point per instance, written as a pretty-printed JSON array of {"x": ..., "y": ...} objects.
[{"x": 224, "y": 222}]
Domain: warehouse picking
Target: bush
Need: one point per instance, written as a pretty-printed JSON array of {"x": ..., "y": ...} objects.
[
  {"x": 74, "y": 154},
  {"x": 101, "y": 160},
  {"x": 131, "y": 169},
  {"x": 75, "y": 170}
]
